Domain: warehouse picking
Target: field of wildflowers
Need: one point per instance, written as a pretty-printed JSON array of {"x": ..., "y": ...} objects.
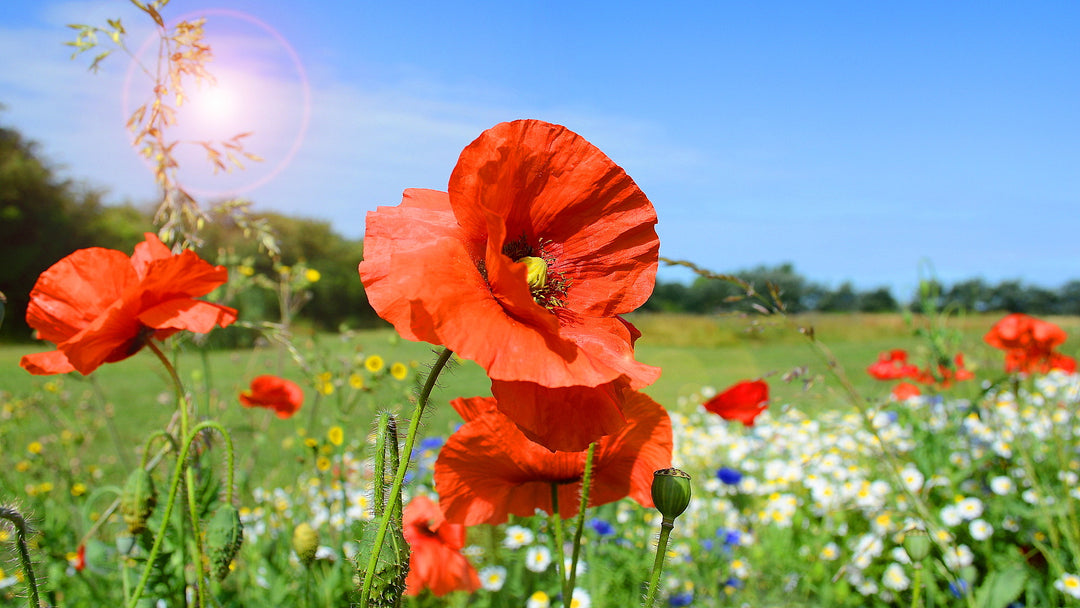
[{"x": 567, "y": 485}]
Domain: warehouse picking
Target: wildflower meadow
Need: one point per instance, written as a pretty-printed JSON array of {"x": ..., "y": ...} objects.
[{"x": 509, "y": 442}]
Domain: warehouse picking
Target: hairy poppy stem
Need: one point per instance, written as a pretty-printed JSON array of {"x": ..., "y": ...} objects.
[
  {"x": 21, "y": 533},
  {"x": 556, "y": 524},
  {"x": 586, "y": 485},
  {"x": 399, "y": 475},
  {"x": 189, "y": 476},
  {"x": 658, "y": 563},
  {"x": 173, "y": 488}
]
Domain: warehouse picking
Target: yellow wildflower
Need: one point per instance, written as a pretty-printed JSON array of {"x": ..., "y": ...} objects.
[
  {"x": 374, "y": 363},
  {"x": 399, "y": 371},
  {"x": 336, "y": 435},
  {"x": 35, "y": 447},
  {"x": 356, "y": 381},
  {"x": 312, "y": 275}
]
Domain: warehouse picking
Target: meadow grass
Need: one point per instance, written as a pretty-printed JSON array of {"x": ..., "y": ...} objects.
[{"x": 134, "y": 397}]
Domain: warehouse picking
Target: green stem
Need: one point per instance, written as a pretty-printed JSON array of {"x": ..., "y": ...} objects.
[
  {"x": 399, "y": 475},
  {"x": 916, "y": 586},
  {"x": 19, "y": 522},
  {"x": 189, "y": 476},
  {"x": 560, "y": 555},
  {"x": 173, "y": 488},
  {"x": 658, "y": 564},
  {"x": 150, "y": 441},
  {"x": 586, "y": 485}
]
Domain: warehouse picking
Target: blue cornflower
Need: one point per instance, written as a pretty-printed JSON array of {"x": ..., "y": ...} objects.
[
  {"x": 601, "y": 527},
  {"x": 707, "y": 544},
  {"x": 731, "y": 537},
  {"x": 681, "y": 599},
  {"x": 729, "y": 476},
  {"x": 959, "y": 588}
]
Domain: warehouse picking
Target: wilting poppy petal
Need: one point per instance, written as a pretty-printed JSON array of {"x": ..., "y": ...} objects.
[
  {"x": 489, "y": 470},
  {"x": 742, "y": 402},
  {"x": 283, "y": 396},
  {"x": 436, "y": 562},
  {"x": 542, "y": 241},
  {"x": 100, "y": 306}
]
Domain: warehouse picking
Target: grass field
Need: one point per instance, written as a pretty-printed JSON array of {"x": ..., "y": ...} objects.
[{"x": 135, "y": 395}]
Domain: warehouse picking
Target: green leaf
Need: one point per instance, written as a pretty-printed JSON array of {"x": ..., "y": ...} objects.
[{"x": 1001, "y": 588}]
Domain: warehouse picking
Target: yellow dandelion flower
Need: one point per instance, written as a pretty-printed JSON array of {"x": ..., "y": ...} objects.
[
  {"x": 399, "y": 371},
  {"x": 374, "y": 363},
  {"x": 323, "y": 463},
  {"x": 336, "y": 435},
  {"x": 311, "y": 442},
  {"x": 78, "y": 489},
  {"x": 312, "y": 275},
  {"x": 35, "y": 447},
  {"x": 245, "y": 270},
  {"x": 326, "y": 449},
  {"x": 22, "y": 466},
  {"x": 326, "y": 388},
  {"x": 4, "y": 537},
  {"x": 356, "y": 381},
  {"x": 325, "y": 377},
  {"x": 45, "y": 487},
  {"x": 284, "y": 270}
]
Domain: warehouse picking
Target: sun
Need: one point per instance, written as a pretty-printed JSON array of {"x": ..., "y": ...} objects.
[{"x": 214, "y": 105}]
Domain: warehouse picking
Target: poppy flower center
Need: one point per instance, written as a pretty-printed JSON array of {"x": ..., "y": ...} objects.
[{"x": 548, "y": 287}]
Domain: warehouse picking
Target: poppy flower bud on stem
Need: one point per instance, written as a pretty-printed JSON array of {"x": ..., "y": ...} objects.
[
  {"x": 671, "y": 495},
  {"x": 224, "y": 536},
  {"x": 138, "y": 500},
  {"x": 305, "y": 541}
]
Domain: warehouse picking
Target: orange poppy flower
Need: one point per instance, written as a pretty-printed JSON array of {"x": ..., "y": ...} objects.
[
  {"x": 892, "y": 365},
  {"x": 99, "y": 306},
  {"x": 905, "y": 390},
  {"x": 742, "y": 401},
  {"x": 488, "y": 469},
  {"x": 1030, "y": 344},
  {"x": 523, "y": 265},
  {"x": 283, "y": 396},
  {"x": 436, "y": 562}
]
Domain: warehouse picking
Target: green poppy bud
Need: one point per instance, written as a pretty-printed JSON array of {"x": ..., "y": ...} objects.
[
  {"x": 536, "y": 269},
  {"x": 224, "y": 535},
  {"x": 917, "y": 544},
  {"x": 305, "y": 541},
  {"x": 138, "y": 500},
  {"x": 671, "y": 492}
]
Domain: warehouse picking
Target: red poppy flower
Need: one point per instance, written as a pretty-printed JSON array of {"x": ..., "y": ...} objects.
[
  {"x": 283, "y": 396},
  {"x": 1030, "y": 344},
  {"x": 488, "y": 469},
  {"x": 79, "y": 560},
  {"x": 892, "y": 365},
  {"x": 742, "y": 402},
  {"x": 905, "y": 390},
  {"x": 436, "y": 562},
  {"x": 99, "y": 306},
  {"x": 523, "y": 266}
]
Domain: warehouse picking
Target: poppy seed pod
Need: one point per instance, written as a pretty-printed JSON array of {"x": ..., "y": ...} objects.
[
  {"x": 917, "y": 545},
  {"x": 138, "y": 500},
  {"x": 305, "y": 541},
  {"x": 671, "y": 492}
]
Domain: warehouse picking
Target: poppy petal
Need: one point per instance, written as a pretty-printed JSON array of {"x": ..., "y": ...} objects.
[
  {"x": 579, "y": 200},
  {"x": 188, "y": 314},
  {"x": 46, "y": 363},
  {"x": 565, "y": 418},
  {"x": 742, "y": 402}
]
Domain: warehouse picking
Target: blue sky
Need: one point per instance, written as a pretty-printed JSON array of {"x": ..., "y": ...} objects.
[{"x": 854, "y": 139}]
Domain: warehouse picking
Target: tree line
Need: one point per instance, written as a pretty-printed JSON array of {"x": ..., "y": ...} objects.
[
  {"x": 798, "y": 294},
  {"x": 44, "y": 217}
]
